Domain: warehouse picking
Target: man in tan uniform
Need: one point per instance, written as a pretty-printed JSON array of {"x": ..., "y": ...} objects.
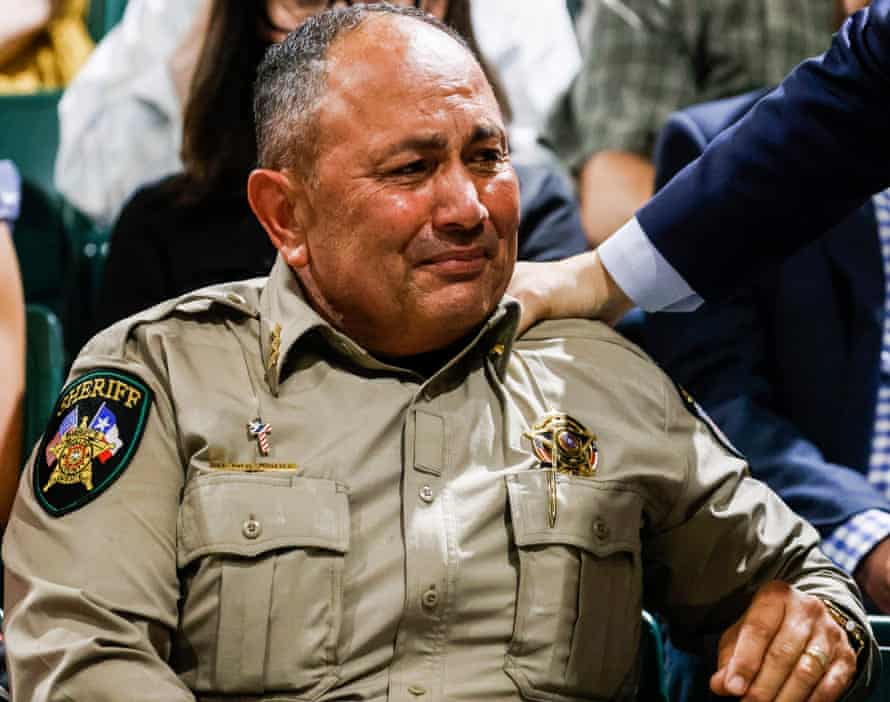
[{"x": 349, "y": 481}]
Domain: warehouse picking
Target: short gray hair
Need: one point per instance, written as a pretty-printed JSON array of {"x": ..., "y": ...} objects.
[{"x": 292, "y": 78}]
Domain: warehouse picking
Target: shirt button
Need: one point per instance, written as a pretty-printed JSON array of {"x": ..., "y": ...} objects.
[
  {"x": 251, "y": 528},
  {"x": 600, "y": 529},
  {"x": 417, "y": 690},
  {"x": 426, "y": 494},
  {"x": 430, "y": 598}
]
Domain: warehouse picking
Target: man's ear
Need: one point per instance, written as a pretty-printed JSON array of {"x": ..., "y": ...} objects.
[{"x": 276, "y": 201}]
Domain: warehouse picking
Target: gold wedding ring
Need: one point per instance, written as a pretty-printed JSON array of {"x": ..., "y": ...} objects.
[{"x": 817, "y": 653}]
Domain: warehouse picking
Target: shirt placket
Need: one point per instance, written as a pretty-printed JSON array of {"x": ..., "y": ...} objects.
[{"x": 417, "y": 669}]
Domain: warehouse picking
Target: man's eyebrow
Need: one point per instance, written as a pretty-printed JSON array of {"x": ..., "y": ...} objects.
[
  {"x": 430, "y": 142},
  {"x": 484, "y": 132},
  {"x": 438, "y": 141}
]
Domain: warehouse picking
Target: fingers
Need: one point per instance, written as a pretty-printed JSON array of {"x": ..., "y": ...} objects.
[
  {"x": 840, "y": 673},
  {"x": 753, "y": 652},
  {"x": 786, "y": 664},
  {"x": 786, "y": 648},
  {"x": 810, "y": 668}
]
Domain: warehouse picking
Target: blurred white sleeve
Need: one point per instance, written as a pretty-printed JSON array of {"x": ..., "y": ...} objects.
[
  {"x": 535, "y": 51},
  {"x": 121, "y": 119}
]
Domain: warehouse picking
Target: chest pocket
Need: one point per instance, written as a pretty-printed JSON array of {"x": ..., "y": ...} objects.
[
  {"x": 261, "y": 562},
  {"x": 578, "y": 607}
]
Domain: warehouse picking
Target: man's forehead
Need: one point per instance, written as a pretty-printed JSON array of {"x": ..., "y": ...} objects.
[
  {"x": 388, "y": 47},
  {"x": 395, "y": 79}
]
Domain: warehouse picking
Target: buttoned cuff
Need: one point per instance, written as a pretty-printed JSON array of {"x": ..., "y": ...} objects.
[
  {"x": 854, "y": 539},
  {"x": 10, "y": 191},
  {"x": 644, "y": 274}
]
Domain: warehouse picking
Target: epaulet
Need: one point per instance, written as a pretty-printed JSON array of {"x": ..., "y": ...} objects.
[
  {"x": 696, "y": 410},
  {"x": 239, "y": 299}
]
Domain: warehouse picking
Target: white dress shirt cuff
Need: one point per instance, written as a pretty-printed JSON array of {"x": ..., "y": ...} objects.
[
  {"x": 644, "y": 274},
  {"x": 854, "y": 539}
]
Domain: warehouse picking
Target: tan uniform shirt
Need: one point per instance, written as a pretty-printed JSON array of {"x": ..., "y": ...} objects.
[{"x": 394, "y": 544}]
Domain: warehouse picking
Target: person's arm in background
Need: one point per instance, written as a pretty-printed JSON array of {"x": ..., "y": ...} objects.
[
  {"x": 809, "y": 153},
  {"x": 12, "y": 343},
  {"x": 720, "y": 353},
  {"x": 121, "y": 117},
  {"x": 636, "y": 71},
  {"x": 21, "y": 21}
]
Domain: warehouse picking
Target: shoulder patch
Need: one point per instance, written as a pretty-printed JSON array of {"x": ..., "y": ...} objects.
[
  {"x": 91, "y": 437},
  {"x": 696, "y": 410}
]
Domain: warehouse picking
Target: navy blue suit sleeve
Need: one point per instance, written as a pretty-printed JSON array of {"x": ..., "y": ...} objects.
[
  {"x": 805, "y": 156},
  {"x": 720, "y": 353}
]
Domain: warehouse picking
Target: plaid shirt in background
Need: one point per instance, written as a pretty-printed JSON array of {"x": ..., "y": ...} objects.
[
  {"x": 644, "y": 59},
  {"x": 852, "y": 541}
]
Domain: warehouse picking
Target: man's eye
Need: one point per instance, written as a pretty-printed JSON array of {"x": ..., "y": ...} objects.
[
  {"x": 413, "y": 168},
  {"x": 488, "y": 157}
]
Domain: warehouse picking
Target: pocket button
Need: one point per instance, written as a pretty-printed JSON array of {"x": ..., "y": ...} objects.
[
  {"x": 430, "y": 598},
  {"x": 600, "y": 529},
  {"x": 251, "y": 528}
]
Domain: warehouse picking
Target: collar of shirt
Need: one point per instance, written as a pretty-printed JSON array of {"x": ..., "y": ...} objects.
[{"x": 286, "y": 319}]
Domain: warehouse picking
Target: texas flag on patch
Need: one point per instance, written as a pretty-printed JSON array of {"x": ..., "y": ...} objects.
[
  {"x": 69, "y": 422},
  {"x": 106, "y": 422}
]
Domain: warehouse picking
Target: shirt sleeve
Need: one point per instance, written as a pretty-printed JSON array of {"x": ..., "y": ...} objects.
[
  {"x": 635, "y": 72},
  {"x": 729, "y": 534},
  {"x": 644, "y": 274},
  {"x": 852, "y": 541},
  {"x": 121, "y": 119},
  {"x": 91, "y": 595},
  {"x": 10, "y": 191}
]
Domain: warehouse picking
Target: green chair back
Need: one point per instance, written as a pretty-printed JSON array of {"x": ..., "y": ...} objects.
[
  {"x": 575, "y": 7},
  {"x": 103, "y": 15},
  {"x": 60, "y": 251},
  {"x": 44, "y": 372},
  {"x": 30, "y": 135}
]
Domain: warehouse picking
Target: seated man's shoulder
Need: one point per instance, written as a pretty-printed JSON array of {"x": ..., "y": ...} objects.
[
  {"x": 583, "y": 361},
  {"x": 206, "y": 313},
  {"x": 562, "y": 341}
]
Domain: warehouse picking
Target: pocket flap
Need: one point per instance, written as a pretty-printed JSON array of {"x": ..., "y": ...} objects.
[
  {"x": 246, "y": 515},
  {"x": 597, "y": 518}
]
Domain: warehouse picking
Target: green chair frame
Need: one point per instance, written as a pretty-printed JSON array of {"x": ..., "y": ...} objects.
[
  {"x": 653, "y": 676},
  {"x": 44, "y": 370}
]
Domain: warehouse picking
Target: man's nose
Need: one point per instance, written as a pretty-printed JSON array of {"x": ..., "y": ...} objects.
[{"x": 458, "y": 206}]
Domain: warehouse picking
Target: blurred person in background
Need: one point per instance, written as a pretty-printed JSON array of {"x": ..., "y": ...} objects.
[
  {"x": 196, "y": 228},
  {"x": 12, "y": 343},
  {"x": 645, "y": 59},
  {"x": 122, "y": 118},
  {"x": 43, "y": 43}
]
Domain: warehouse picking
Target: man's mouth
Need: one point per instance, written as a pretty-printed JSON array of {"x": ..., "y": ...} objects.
[{"x": 463, "y": 261}]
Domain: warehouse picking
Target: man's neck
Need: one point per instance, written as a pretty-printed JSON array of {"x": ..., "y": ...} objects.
[{"x": 427, "y": 364}]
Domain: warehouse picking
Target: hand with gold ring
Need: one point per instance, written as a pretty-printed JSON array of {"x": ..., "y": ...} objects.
[
  {"x": 786, "y": 647},
  {"x": 818, "y": 653}
]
